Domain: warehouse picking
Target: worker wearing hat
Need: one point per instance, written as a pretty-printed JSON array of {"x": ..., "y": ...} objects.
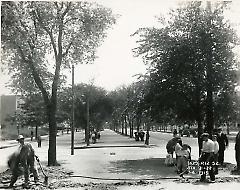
[
  {"x": 25, "y": 159},
  {"x": 207, "y": 158}
]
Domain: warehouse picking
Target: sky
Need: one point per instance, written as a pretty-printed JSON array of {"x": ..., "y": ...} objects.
[{"x": 116, "y": 64}]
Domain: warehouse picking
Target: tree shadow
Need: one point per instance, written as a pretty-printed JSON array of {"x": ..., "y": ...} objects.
[{"x": 150, "y": 167}]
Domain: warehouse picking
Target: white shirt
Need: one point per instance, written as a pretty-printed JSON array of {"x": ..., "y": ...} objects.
[
  {"x": 216, "y": 147},
  {"x": 208, "y": 146},
  {"x": 177, "y": 149}
]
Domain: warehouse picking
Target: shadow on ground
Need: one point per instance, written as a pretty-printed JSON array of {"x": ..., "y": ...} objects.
[{"x": 150, "y": 167}]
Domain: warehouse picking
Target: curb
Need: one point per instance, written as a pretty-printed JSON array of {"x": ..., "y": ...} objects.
[
  {"x": 116, "y": 146},
  {"x": 7, "y": 146}
]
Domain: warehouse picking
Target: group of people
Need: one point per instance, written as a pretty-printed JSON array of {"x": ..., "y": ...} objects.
[
  {"x": 95, "y": 135},
  {"x": 212, "y": 153},
  {"x": 183, "y": 154},
  {"x": 38, "y": 138}
]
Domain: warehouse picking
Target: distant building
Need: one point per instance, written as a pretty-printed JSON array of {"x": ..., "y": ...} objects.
[{"x": 9, "y": 106}]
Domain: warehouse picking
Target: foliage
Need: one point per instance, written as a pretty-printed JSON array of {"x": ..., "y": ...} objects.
[
  {"x": 178, "y": 59},
  {"x": 100, "y": 106},
  {"x": 40, "y": 39}
]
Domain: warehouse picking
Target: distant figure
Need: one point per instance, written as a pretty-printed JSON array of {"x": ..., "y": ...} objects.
[
  {"x": 94, "y": 137},
  {"x": 223, "y": 143},
  {"x": 23, "y": 161},
  {"x": 31, "y": 135},
  {"x": 136, "y": 136},
  {"x": 39, "y": 141},
  {"x": 98, "y": 135},
  {"x": 141, "y": 135},
  {"x": 174, "y": 132}
]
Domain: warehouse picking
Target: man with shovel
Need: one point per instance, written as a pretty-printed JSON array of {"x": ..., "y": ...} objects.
[{"x": 23, "y": 158}]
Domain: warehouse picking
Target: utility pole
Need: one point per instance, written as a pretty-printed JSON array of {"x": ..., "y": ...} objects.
[
  {"x": 72, "y": 126},
  {"x": 88, "y": 130}
]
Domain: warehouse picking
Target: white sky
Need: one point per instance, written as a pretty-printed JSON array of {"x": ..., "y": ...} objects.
[{"x": 116, "y": 64}]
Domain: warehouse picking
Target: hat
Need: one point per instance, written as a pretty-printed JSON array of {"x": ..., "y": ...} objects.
[
  {"x": 205, "y": 135},
  {"x": 219, "y": 129},
  {"x": 20, "y": 137}
]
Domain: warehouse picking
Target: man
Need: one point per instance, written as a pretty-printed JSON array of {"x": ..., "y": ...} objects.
[
  {"x": 183, "y": 158},
  {"x": 207, "y": 158},
  {"x": 237, "y": 150},
  {"x": 223, "y": 143},
  {"x": 23, "y": 158},
  {"x": 216, "y": 153},
  {"x": 171, "y": 145}
]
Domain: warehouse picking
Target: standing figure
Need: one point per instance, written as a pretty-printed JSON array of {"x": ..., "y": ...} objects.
[
  {"x": 178, "y": 147},
  {"x": 207, "y": 158},
  {"x": 174, "y": 132},
  {"x": 237, "y": 151},
  {"x": 39, "y": 141},
  {"x": 24, "y": 159},
  {"x": 223, "y": 143},
  {"x": 183, "y": 158},
  {"x": 31, "y": 135}
]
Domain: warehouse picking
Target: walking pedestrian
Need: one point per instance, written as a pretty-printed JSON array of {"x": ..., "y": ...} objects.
[
  {"x": 207, "y": 158},
  {"x": 39, "y": 141},
  {"x": 223, "y": 143},
  {"x": 23, "y": 158}
]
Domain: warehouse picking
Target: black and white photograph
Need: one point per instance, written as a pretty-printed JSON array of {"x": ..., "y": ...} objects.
[{"x": 120, "y": 95}]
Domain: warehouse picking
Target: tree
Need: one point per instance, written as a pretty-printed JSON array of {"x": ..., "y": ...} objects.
[
  {"x": 100, "y": 106},
  {"x": 40, "y": 39},
  {"x": 190, "y": 59},
  {"x": 32, "y": 112}
]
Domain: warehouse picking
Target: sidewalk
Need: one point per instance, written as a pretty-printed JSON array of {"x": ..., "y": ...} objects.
[
  {"x": 8, "y": 143},
  {"x": 115, "y": 159}
]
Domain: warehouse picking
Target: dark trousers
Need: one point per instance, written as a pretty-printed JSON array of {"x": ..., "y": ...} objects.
[
  {"x": 237, "y": 156},
  {"x": 221, "y": 156},
  {"x": 215, "y": 164},
  {"x": 206, "y": 163},
  {"x": 26, "y": 164}
]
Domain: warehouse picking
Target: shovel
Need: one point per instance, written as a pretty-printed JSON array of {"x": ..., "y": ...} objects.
[{"x": 45, "y": 176}]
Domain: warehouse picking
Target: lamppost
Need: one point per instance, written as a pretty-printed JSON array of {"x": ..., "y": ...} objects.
[{"x": 72, "y": 126}]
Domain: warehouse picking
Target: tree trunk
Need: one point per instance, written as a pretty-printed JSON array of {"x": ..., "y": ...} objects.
[
  {"x": 36, "y": 132},
  {"x": 122, "y": 123},
  {"x": 52, "y": 153},
  {"x": 209, "y": 116},
  {"x": 125, "y": 125}
]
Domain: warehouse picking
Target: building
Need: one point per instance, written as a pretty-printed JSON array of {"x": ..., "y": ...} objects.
[{"x": 9, "y": 106}]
